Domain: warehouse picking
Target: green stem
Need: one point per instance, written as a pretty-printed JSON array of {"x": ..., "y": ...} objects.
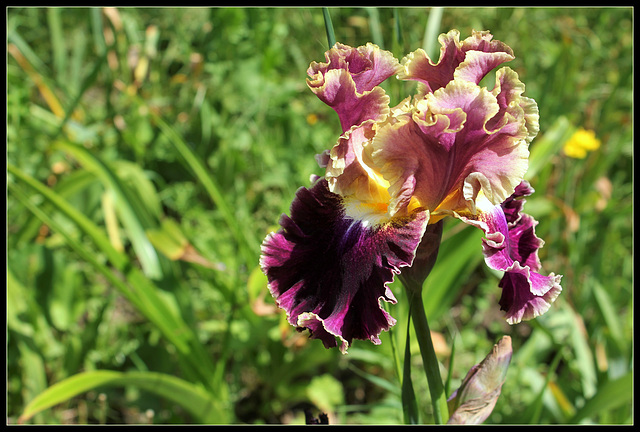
[
  {"x": 428, "y": 353},
  {"x": 409, "y": 403}
]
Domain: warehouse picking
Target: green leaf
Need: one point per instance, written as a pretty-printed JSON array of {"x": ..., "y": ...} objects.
[
  {"x": 458, "y": 256},
  {"x": 83, "y": 222},
  {"x": 583, "y": 355},
  {"x": 71, "y": 184},
  {"x": 325, "y": 392},
  {"x": 169, "y": 239},
  {"x": 57, "y": 42},
  {"x": 202, "y": 405},
  {"x": 431, "y": 32},
  {"x": 328, "y": 26},
  {"x": 548, "y": 145},
  {"x": 375, "y": 27},
  {"x": 34, "y": 377},
  {"x": 247, "y": 245},
  {"x": 609, "y": 314},
  {"x": 256, "y": 284},
  {"x": 610, "y": 395},
  {"x": 376, "y": 380},
  {"x": 137, "y": 288},
  {"x": 131, "y": 214}
]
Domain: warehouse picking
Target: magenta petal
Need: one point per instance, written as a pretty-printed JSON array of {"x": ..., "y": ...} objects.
[
  {"x": 368, "y": 65},
  {"x": 330, "y": 272},
  {"x": 450, "y": 138},
  {"x": 522, "y": 304},
  {"x": 348, "y": 82},
  {"x": 512, "y": 206},
  {"x": 470, "y": 60},
  {"x": 511, "y": 245}
]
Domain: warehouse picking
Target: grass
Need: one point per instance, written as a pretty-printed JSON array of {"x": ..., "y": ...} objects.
[{"x": 151, "y": 150}]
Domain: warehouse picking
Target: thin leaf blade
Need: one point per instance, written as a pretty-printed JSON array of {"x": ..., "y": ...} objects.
[{"x": 202, "y": 405}]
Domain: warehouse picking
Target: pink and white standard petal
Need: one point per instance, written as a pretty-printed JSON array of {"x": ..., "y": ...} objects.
[
  {"x": 368, "y": 65},
  {"x": 482, "y": 54},
  {"x": 348, "y": 166},
  {"x": 451, "y": 139},
  {"x": 330, "y": 272},
  {"x": 470, "y": 60},
  {"x": 348, "y": 82}
]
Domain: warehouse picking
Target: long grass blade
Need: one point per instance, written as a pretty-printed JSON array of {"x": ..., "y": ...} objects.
[
  {"x": 135, "y": 286},
  {"x": 610, "y": 395},
  {"x": 610, "y": 316},
  {"x": 548, "y": 145},
  {"x": 202, "y": 405},
  {"x": 459, "y": 255},
  {"x": 375, "y": 27},
  {"x": 70, "y": 112},
  {"x": 57, "y": 42},
  {"x": 47, "y": 94},
  {"x": 85, "y": 224},
  {"x": 129, "y": 211},
  {"x": 328, "y": 26},
  {"x": 145, "y": 305},
  {"x": 431, "y": 32},
  {"x": 248, "y": 246}
]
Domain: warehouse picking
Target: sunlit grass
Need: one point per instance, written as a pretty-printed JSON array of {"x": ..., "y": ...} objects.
[{"x": 128, "y": 127}]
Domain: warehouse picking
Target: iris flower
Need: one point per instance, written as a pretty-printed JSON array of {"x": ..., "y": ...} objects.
[{"x": 454, "y": 149}]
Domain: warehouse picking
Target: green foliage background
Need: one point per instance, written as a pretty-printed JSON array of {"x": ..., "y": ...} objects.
[{"x": 150, "y": 150}]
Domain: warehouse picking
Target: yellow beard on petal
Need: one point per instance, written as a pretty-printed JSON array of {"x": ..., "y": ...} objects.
[
  {"x": 369, "y": 201},
  {"x": 369, "y": 214}
]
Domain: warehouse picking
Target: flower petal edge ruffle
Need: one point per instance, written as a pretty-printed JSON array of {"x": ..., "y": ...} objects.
[
  {"x": 330, "y": 272},
  {"x": 511, "y": 245}
]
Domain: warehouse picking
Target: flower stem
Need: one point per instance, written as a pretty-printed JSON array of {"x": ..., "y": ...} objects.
[{"x": 428, "y": 353}]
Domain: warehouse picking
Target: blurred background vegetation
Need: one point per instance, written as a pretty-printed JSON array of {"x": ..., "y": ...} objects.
[{"x": 150, "y": 150}]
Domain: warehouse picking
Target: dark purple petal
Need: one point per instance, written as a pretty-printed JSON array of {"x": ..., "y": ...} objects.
[
  {"x": 513, "y": 205},
  {"x": 330, "y": 272},
  {"x": 511, "y": 245}
]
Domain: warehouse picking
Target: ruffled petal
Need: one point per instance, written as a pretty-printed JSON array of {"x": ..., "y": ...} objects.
[
  {"x": 511, "y": 245},
  {"x": 348, "y": 82},
  {"x": 330, "y": 272},
  {"x": 470, "y": 60},
  {"x": 454, "y": 142},
  {"x": 482, "y": 54},
  {"x": 349, "y": 167}
]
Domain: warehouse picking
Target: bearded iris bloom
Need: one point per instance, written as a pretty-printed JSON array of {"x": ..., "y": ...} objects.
[{"x": 454, "y": 149}]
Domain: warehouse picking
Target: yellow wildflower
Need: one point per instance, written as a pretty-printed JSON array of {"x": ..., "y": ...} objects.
[{"x": 580, "y": 142}]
